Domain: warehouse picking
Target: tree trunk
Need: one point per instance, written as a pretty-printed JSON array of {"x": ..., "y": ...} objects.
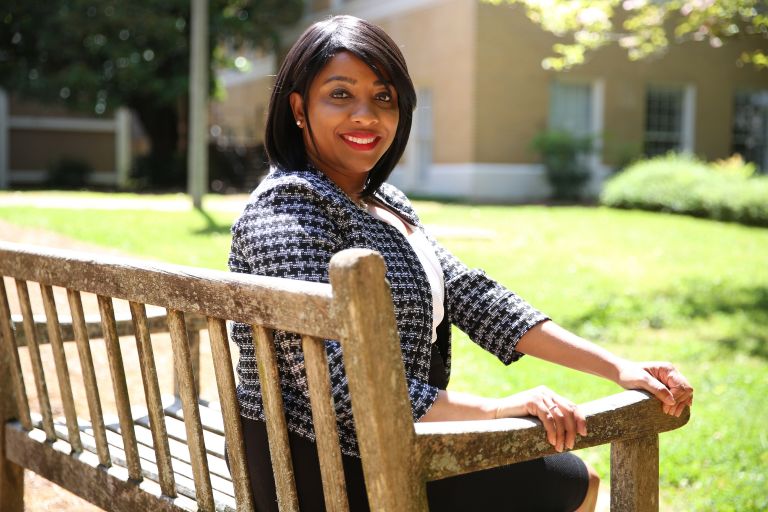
[{"x": 164, "y": 167}]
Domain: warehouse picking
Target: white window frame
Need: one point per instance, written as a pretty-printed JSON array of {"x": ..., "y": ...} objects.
[
  {"x": 685, "y": 138},
  {"x": 763, "y": 98}
]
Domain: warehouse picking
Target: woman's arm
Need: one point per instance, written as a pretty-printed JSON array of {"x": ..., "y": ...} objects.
[
  {"x": 561, "y": 418},
  {"x": 553, "y": 343}
]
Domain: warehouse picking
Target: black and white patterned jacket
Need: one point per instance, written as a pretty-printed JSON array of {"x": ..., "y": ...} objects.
[{"x": 292, "y": 225}]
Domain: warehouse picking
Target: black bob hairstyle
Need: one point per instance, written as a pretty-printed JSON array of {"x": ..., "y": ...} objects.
[{"x": 316, "y": 46}]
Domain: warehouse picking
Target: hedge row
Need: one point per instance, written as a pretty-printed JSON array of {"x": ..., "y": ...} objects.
[{"x": 684, "y": 185}]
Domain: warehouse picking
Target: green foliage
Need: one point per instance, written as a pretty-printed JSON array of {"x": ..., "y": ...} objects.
[
  {"x": 681, "y": 184},
  {"x": 645, "y": 27},
  {"x": 562, "y": 154},
  {"x": 97, "y": 55},
  {"x": 68, "y": 173}
]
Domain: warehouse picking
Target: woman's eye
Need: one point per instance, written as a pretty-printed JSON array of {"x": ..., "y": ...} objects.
[
  {"x": 384, "y": 96},
  {"x": 339, "y": 94}
]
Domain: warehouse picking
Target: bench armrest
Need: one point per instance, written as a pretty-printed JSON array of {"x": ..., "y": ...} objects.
[{"x": 449, "y": 448}]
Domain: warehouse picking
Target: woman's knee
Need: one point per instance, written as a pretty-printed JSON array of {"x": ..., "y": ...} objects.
[{"x": 593, "y": 486}]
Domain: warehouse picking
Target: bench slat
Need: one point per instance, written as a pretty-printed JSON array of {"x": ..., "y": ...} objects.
[
  {"x": 230, "y": 412},
  {"x": 178, "y": 449},
  {"x": 154, "y": 401},
  {"x": 89, "y": 376},
  {"x": 119, "y": 385},
  {"x": 187, "y": 391},
  {"x": 22, "y": 402},
  {"x": 277, "y": 428},
  {"x": 62, "y": 370},
  {"x": 182, "y": 469},
  {"x": 294, "y": 306},
  {"x": 34, "y": 355},
  {"x": 108, "y": 488},
  {"x": 324, "y": 420},
  {"x": 214, "y": 443}
]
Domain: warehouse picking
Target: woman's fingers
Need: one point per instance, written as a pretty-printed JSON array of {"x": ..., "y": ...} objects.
[{"x": 561, "y": 418}]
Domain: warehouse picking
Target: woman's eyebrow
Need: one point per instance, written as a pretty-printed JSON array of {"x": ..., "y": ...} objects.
[{"x": 352, "y": 81}]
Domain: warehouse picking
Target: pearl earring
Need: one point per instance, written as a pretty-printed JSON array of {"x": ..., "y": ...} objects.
[{"x": 298, "y": 123}]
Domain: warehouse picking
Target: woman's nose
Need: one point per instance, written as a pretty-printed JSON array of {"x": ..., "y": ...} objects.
[{"x": 364, "y": 113}]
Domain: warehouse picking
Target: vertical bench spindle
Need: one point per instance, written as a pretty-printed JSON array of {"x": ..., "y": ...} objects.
[
  {"x": 277, "y": 428},
  {"x": 11, "y": 475},
  {"x": 120, "y": 387},
  {"x": 12, "y": 351},
  {"x": 154, "y": 401},
  {"x": 37, "y": 364},
  {"x": 230, "y": 411},
  {"x": 324, "y": 420},
  {"x": 62, "y": 370},
  {"x": 188, "y": 394},
  {"x": 89, "y": 376}
]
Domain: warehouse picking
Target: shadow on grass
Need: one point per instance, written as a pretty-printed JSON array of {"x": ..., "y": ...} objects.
[
  {"x": 745, "y": 308},
  {"x": 211, "y": 226}
]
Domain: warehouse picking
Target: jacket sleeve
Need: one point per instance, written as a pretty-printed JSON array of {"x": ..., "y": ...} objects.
[
  {"x": 289, "y": 232},
  {"x": 492, "y": 316}
]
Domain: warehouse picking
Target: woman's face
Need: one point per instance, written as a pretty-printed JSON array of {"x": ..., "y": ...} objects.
[{"x": 354, "y": 116}]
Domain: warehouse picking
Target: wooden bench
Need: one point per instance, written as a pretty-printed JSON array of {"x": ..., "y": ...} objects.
[{"x": 168, "y": 456}]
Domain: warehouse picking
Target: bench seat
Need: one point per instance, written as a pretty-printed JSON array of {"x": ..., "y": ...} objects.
[{"x": 22, "y": 445}]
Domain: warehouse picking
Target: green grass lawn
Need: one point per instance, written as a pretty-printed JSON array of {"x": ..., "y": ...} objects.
[{"x": 645, "y": 285}]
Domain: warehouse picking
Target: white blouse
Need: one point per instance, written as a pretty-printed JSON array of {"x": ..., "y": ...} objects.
[{"x": 423, "y": 249}]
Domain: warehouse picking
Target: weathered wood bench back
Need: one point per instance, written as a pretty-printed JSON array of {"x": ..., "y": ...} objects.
[{"x": 114, "y": 470}]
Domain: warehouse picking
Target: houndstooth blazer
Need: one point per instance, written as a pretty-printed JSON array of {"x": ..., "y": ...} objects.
[{"x": 292, "y": 225}]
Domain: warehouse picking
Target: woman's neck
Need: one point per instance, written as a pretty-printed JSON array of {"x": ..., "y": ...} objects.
[{"x": 352, "y": 186}]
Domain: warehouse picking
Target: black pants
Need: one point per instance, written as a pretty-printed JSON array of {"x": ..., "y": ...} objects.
[{"x": 555, "y": 483}]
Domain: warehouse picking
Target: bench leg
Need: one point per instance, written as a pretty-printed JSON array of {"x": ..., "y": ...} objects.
[
  {"x": 11, "y": 480},
  {"x": 11, "y": 475},
  {"x": 635, "y": 475}
]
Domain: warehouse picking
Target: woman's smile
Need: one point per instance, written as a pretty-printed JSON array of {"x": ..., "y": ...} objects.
[{"x": 361, "y": 141}]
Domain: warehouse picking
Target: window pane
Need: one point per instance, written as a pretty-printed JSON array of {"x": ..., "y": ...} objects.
[
  {"x": 663, "y": 120},
  {"x": 570, "y": 108},
  {"x": 750, "y": 127}
]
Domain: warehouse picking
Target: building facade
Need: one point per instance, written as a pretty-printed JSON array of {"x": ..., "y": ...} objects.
[{"x": 483, "y": 95}]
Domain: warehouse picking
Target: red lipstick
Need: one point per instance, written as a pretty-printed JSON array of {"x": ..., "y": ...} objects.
[{"x": 360, "y": 141}]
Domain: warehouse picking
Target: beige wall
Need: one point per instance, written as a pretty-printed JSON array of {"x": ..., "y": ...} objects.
[
  {"x": 98, "y": 149},
  {"x": 37, "y": 149},
  {"x": 513, "y": 89},
  {"x": 439, "y": 45}
]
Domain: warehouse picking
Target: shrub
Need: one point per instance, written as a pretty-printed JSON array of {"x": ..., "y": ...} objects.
[
  {"x": 68, "y": 173},
  {"x": 562, "y": 154},
  {"x": 682, "y": 184}
]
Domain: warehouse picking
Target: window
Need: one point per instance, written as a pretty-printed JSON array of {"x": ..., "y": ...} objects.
[
  {"x": 570, "y": 108},
  {"x": 750, "y": 127},
  {"x": 663, "y": 120}
]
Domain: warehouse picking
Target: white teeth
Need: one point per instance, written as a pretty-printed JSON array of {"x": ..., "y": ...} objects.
[{"x": 358, "y": 140}]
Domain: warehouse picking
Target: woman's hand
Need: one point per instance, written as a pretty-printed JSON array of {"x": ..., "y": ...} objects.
[
  {"x": 561, "y": 418},
  {"x": 661, "y": 379}
]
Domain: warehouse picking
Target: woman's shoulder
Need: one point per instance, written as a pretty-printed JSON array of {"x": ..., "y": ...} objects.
[
  {"x": 280, "y": 182},
  {"x": 397, "y": 199}
]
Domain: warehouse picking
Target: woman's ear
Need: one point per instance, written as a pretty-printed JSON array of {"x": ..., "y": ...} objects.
[{"x": 297, "y": 106}]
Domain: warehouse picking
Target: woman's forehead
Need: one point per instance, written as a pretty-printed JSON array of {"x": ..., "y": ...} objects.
[{"x": 345, "y": 66}]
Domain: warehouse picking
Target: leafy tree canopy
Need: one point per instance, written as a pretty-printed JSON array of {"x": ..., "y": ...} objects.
[
  {"x": 95, "y": 55},
  {"x": 646, "y": 27}
]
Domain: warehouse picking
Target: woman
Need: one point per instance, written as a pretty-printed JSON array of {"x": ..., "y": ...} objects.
[{"x": 338, "y": 122}]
